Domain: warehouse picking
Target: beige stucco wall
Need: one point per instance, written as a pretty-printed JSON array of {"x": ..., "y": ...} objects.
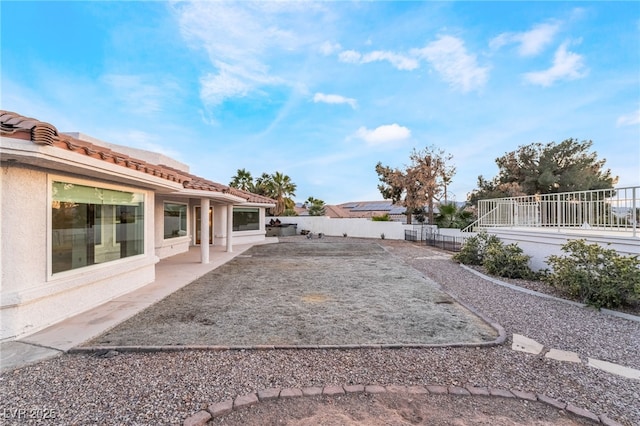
[
  {"x": 24, "y": 227},
  {"x": 30, "y": 299}
]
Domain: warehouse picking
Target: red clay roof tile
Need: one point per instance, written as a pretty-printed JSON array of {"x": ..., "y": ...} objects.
[{"x": 39, "y": 132}]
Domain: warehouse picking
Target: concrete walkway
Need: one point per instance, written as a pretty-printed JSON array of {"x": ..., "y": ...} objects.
[{"x": 172, "y": 274}]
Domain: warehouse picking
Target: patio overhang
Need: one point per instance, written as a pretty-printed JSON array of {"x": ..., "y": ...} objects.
[{"x": 211, "y": 195}]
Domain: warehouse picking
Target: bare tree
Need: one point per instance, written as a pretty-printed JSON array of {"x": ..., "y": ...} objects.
[{"x": 422, "y": 183}]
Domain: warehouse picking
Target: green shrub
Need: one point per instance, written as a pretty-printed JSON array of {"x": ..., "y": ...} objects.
[
  {"x": 474, "y": 248},
  {"x": 598, "y": 276},
  {"x": 507, "y": 261},
  {"x": 384, "y": 218}
]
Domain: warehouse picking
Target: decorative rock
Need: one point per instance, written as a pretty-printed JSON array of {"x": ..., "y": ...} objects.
[
  {"x": 501, "y": 393},
  {"x": 441, "y": 390},
  {"x": 582, "y": 413},
  {"x": 198, "y": 419},
  {"x": 566, "y": 356},
  {"x": 417, "y": 390},
  {"x": 530, "y": 396},
  {"x": 312, "y": 391},
  {"x": 553, "y": 402},
  {"x": 353, "y": 388},
  {"x": 525, "y": 344},
  {"x": 290, "y": 393},
  {"x": 333, "y": 390},
  {"x": 397, "y": 389},
  {"x": 456, "y": 390},
  {"x": 268, "y": 394},
  {"x": 220, "y": 408},
  {"x": 245, "y": 401},
  {"x": 477, "y": 391},
  {"x": 620, "y": 370},
  {"x": 607, "y": 421},
  {"x": 374, "y": 389}
]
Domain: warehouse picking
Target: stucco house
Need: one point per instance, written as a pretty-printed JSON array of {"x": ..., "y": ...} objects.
[{"x": 83, "y": 221}]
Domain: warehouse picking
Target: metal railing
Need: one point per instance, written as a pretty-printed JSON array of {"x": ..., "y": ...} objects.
[
  {"x": 616, "y": 209},
  {"x": 432, "y": 237}
]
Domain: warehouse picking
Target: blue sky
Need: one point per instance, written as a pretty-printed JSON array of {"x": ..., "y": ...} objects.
[{"x": 324, "y": 91}]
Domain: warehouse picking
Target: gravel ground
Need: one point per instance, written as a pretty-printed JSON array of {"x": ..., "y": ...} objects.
[{"x": 167, "y": 387}]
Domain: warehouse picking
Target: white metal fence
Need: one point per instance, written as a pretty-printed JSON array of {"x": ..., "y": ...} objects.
[{"x": 616, "y": 209}]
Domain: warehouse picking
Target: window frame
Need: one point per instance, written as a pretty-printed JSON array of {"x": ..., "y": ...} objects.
[
  {"x": 146, "y": 216},
  {"x": 252, "y": 209},
  {"x": 186, "y": 219}
]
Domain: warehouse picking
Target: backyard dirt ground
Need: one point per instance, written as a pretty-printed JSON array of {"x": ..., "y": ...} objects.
[{"x": 298, "y": 293}]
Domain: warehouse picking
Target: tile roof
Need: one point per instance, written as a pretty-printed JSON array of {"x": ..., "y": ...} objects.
[
  {"x": 42, "y": 133},
  {"x": 336, "y": 212}
]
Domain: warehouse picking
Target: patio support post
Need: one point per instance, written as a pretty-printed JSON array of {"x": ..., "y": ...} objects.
[
  {"x": 204, "y": 230},
  {"x": 229, "y": 228}
]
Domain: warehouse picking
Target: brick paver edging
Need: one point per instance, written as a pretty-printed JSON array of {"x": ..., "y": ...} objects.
[{"x": 219, "y": 409}]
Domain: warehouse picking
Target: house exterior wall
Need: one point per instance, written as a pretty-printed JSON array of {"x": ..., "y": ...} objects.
[
  {"x": 355, "y": 227},
  {"x": 31, "y": 298},
  {"x": 62, "y": 256}
]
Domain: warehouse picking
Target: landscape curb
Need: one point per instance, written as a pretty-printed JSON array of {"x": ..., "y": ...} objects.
[{"x": 219, "y": 409}]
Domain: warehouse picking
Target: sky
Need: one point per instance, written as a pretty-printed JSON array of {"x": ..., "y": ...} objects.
[{"x": 323, "y": 91}]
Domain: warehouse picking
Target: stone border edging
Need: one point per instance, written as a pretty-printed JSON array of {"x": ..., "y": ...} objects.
[
  {"x": 219, "y": 409},
  {"x": 617, "y": 314}
]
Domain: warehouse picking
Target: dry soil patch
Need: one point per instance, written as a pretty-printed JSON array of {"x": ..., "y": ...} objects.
[{"x": 300, "y": 293}]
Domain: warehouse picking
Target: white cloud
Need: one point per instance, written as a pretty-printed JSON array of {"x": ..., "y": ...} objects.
[
  {"x": 530, "y": 42},
  {"x": 327, "y": 48},
  {"x": 630, "y": 119},
  {"x": 401, "y": 62},
  {"x": 215, "y": 88},
  {"x": 450, "y": 59},
  {"x": 137, "y": 94},
  {"x": 397, "y": 60},
  {"x": 383, "y": 134},
  {"x": 239, "y": 38},
  {"x": 350, "y": 56},
  {"x": 566, "y": 66},
  {"x": 335, "y": 99}
]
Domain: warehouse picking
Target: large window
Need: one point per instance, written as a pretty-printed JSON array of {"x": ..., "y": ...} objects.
[
  {"x": 93, "y": 225},
  {"x": 246, "y": 219},
  {"x": 175, "y": 220}
]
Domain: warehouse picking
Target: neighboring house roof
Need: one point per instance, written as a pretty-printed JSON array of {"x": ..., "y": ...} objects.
[
  {"x": 374, "y": 206},
  {"x": 42, "y": 133},
  {"x": 337, "y": 212}
]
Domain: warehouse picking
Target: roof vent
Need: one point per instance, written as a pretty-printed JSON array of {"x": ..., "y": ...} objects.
[{"x": 43, "y": 134}]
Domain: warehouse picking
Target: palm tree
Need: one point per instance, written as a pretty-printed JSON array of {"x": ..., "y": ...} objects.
[
  {"x": 315, "y": 206},
  {"x": 242, "y": 180},
  {"x": 264, "y": 185},
  {"x": 451, "y": 216},
  {"x": 281, "y": 188}
]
